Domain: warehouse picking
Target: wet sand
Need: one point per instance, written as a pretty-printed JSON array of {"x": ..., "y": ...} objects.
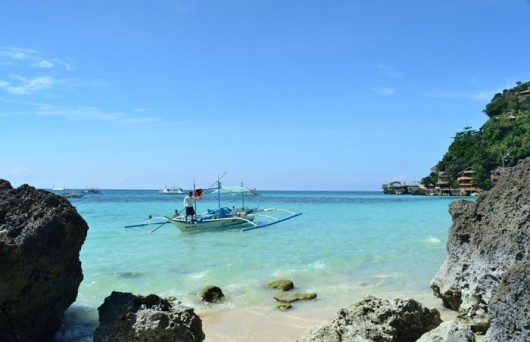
[
  {"x": 272, "y": 325},
  {"x": 250, "y": 325}
]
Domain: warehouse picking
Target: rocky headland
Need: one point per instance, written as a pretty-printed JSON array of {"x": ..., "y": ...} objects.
[{"x": 487, "y": 239}]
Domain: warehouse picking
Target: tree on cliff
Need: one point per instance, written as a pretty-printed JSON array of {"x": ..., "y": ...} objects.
[{"x": 501, "y": 141}]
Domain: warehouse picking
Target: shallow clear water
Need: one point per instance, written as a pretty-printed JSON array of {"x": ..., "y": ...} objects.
[{"x": 344, "y": 246}]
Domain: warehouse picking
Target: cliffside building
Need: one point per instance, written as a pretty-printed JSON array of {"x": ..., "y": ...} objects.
[
  {"x": 496, "y": 174},
  {"x": 466, "y": 182}
]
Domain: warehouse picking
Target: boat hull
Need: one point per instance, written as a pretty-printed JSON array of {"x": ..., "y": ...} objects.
[{"x": 220, "y": 223}]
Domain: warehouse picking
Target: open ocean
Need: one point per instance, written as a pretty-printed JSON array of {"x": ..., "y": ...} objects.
[{"x": 345, "y": 245}]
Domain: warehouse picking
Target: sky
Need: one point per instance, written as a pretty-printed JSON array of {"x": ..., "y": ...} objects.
[{"x": 279, "y": 95}]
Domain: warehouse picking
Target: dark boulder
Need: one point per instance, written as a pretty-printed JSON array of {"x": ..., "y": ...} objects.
[
  {"x": 211, "y": 294},
  {"x": 487, "y": 238},
  {"x": 41, "y": 235},
  {"x": 124, "y": 317}
]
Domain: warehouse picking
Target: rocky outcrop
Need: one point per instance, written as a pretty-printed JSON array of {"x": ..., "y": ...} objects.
[
  {"x": 509, "y": 312},
  {"x": 124, "y": 317},
  {"x": 451, "y": 331},
  {"x": 396, "y": 188},
  {"x": 486, "y": 239},
  {"x": 41, "y": 235},
  {"x": 374, "y": 319}
]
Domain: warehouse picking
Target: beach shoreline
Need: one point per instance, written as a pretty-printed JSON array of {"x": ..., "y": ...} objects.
[{"x": 272, "y": 325}]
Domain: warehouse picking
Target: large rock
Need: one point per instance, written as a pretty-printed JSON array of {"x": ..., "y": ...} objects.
[
  {"x": 41, "y": 235},
  {"x": 450, "y": 331},
  {"x": 487, "y": 238},
  {"x": 374, "y": 319},
  {"x": 124, "y": 317},
  {"x": 509, "y": 312}
]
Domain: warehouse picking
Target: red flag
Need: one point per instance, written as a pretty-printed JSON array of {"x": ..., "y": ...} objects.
[{"x": 198, "y": 193}]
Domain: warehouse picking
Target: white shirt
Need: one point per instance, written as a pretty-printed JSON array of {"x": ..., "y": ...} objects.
[{"x": 188, "y": 201}]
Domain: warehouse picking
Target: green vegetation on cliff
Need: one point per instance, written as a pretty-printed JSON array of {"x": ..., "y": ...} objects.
[{"x": 501, "y": 141}]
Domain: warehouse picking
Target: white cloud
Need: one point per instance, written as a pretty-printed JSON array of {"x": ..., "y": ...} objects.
[
  {"x": 27, "y": 86},
  {"x": 17, "y": 53},
  {"x": 13, "y": 56},
  {"x": 46, "y": 64}
]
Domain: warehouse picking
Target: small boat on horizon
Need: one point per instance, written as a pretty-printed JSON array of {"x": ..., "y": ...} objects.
[
  {"x": 172, "y": 191},
  {"x": 92, "y": 191}
]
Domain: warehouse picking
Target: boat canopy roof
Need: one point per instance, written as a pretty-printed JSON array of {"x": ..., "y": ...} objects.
[{"x": 235, "y": 190}]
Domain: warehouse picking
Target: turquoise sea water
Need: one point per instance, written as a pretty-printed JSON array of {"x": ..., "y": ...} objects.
[{"x": 344, "y": 246}]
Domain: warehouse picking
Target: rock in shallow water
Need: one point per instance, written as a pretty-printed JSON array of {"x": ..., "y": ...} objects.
[
  {"x": 294, "y": 296},
  {"x": 282, "y": 284},
  {"x": 211, "y": 294}
]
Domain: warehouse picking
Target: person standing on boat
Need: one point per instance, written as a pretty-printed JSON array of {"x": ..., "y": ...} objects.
[{"x": 188, "y": 205}]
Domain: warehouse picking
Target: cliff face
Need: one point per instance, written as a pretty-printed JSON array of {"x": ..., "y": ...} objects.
[
  {"x": 508, "y": 309},
  {"x": 487, "y": 238},
  {"x": 41, "y": 235}
]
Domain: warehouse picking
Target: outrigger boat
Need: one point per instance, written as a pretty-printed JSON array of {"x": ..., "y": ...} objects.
[
  {"x": 230, "y": 218},
  {"x": 224, "y": 217}
]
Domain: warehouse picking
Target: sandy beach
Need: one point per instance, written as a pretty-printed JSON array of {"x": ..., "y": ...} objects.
[
  {"x": 252, "y": 325},
  {"x": 271, "y": 325}
]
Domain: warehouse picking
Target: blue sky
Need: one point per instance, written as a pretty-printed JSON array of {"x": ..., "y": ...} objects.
[{"x": 290, "y": 95}]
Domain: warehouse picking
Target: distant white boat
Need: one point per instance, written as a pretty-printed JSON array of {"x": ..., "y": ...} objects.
[
  {"x": 172, "y": 191},
  {"x": 57, "y": 188},
  {"x": 92, "y": 191}
]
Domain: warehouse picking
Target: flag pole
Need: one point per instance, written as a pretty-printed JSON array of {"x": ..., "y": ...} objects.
[
  {"x": 194, "y": 202},
  {"x": 219, "y": 191}
]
